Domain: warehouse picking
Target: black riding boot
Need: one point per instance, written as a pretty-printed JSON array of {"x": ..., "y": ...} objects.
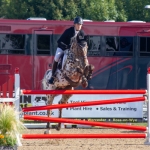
[{"x": 51, "y": 80}]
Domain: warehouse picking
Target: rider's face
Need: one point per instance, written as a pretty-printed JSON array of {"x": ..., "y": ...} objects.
[{"x": 78, "y": 26}]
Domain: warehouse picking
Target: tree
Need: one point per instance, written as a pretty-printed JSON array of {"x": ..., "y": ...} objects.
[
  {"x": 4, "y": 5},
  {"x": 135, "y": 10},
  {"x": 18, "y": 9},
  {"x": 122, "y": 16},
  {"x": 97, "y": 10},
  {"x": 101, "y": 10},
  {"x": 62, "y": 10}
]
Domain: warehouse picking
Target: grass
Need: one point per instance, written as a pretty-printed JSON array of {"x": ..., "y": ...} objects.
[
  {"x": 10, "y": 125},
  {"x": 140, "y": 124},
  {"x": 136, "y": 124}
]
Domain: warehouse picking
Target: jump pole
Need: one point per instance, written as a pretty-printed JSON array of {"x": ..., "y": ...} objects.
[
  {"x": 98, "y": 102},
  {"x": 29, "y": 92},
  {"x": 56, "y": 136},
  {"x": 91, "y": 123}
]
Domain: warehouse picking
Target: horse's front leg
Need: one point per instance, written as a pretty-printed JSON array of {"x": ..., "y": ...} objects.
[
  {"x": 63, "y": 100},
  {"x": 50, "y": 99},
  {"x": 58, "y": 127}
]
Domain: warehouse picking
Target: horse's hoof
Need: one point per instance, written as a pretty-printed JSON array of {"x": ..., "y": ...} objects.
[
  {"x": 58, "y": 128},
  {"x": 47, "y": 132}
]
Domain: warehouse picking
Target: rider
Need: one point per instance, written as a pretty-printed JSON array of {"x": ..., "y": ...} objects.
[{"x": 64, "y": 43}]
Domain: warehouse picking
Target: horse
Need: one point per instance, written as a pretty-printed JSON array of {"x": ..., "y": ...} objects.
[{"x": 73, "y": 70}]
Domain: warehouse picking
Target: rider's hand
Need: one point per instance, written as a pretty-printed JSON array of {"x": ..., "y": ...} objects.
[{"x": 68, "y": 46}]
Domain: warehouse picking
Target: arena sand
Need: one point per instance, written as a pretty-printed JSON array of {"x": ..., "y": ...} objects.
[{"x": 83, "y": 144}]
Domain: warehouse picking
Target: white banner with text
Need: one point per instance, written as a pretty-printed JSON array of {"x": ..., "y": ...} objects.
[{"x": 123, "y": 110}]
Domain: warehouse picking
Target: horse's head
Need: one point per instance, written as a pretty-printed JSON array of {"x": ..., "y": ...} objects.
[{"x": 79, "y": 48}]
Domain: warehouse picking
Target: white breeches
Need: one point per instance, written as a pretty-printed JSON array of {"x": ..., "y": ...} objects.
[{"x": 58, "y": 54}]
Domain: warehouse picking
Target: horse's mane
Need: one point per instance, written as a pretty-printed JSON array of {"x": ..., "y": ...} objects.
[{"x": 79, "y": 49}]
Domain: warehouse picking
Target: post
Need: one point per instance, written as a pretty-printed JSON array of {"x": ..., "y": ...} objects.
[
  {"x": 17, "y": 89},
  {"x": 148, "y": 107},
  {"x": 17, "y": 100}
]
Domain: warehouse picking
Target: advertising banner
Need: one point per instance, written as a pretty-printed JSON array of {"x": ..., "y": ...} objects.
[{"x": 117, "y": 110}]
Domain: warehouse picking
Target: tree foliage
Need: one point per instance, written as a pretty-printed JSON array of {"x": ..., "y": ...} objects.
[
  {"x": 97, "y": 10},
  {"x": 135, "y": 10}
]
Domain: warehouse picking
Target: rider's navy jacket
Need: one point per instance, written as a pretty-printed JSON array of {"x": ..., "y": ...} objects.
[{"x": 65, "y": 39}]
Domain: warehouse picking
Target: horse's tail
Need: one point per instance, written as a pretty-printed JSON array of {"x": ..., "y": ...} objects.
[{"x": 45, "y": 79}]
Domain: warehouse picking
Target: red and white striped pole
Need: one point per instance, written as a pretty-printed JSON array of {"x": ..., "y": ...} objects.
[{"x": 148, "y": 107}]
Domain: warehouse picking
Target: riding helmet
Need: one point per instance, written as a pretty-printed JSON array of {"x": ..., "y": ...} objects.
[{"x": 78, "y": 20}]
